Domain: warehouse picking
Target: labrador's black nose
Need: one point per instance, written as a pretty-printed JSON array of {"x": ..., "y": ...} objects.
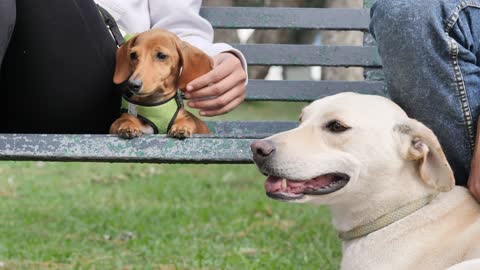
[
  {"x": 262, "y": 150},
  {"x": 135, "y": 85}
]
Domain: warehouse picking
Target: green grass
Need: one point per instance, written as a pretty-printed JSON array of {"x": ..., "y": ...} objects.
[{"x": 144, "y": 216}]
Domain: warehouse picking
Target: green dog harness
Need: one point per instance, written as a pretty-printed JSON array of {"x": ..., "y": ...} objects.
[{"x": 160, "y": 117}]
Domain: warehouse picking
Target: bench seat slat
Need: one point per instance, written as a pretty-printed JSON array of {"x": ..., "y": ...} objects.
[
  {"x": 230, "y": 143},
  {"x": 310, "y": 55},
  {"x": 262, "y": 90},
  {"x": 106, "y": 148},
  {"x": 287, "y": 18},
  {"x": 249, "y": 129}
]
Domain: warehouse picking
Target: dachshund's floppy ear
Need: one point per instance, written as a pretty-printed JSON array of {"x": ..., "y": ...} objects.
[
  {"x": 123, "y": 67},
  {"x": 418, "y": 143},
  {"x": 195, "y": 63}
]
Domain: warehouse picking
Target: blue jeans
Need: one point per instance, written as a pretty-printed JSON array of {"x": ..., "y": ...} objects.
[{"x": 431, "y": 58}]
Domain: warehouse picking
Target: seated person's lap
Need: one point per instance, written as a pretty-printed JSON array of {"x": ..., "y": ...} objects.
[{"x": 56, "y": 76}]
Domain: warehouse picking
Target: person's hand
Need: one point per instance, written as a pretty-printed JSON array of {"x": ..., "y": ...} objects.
[
  {"x": 474, "y": 178},
  {"x": 221, "y": 90}
]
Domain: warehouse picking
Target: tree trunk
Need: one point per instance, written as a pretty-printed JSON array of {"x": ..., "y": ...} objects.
[{"x": 342, "y": 38}]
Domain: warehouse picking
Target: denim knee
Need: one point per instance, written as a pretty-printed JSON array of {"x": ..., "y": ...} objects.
[{"x": 403, "y": 16}]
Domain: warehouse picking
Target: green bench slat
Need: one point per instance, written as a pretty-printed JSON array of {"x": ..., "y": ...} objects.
[
  {"x": 106, "y": 148},
  {"x": 310, "y": 55},
  {"x": 298, "y": 91},
  {"x": 230, "y": 144},
  {"x": 248, "y": 129},
  {"x": 287, "y": 18}
]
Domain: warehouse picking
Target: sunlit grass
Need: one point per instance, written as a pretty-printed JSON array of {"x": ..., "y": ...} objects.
[{"x": 145, "y": 216}]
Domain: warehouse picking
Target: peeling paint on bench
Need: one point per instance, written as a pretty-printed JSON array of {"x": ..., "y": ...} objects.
[{"x": 106, "y": 148}]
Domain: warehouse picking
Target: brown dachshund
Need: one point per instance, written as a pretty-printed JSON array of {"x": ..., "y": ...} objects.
[{"x": 152, "y": 67}]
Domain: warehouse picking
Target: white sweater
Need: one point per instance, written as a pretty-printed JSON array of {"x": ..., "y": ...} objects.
[{"x": 178, "y": 16}]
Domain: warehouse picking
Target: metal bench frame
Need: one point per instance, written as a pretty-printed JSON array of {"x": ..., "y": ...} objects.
[{"x": 230, "y": 141}]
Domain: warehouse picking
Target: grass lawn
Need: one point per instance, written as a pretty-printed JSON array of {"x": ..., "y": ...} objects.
[{"x": 145, "y": 216}]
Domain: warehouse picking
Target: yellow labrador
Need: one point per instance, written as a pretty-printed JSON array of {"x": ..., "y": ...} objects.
[{"x": 385, "y": 177}]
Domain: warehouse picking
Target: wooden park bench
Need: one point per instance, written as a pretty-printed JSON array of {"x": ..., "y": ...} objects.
[{"x": 230, "y": 141}]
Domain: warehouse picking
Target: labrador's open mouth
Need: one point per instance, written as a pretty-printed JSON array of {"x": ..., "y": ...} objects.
[{"x": 290, "y": 190}]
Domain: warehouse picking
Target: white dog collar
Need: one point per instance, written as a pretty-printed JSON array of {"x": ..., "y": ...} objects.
[{"x": 386, "y": 219}]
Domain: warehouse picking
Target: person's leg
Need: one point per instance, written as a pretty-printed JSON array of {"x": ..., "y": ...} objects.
[
  {"x": 430, "y": 53},
  {"x": 7, "y": 22},
  {"x": 57, "y": 73}
]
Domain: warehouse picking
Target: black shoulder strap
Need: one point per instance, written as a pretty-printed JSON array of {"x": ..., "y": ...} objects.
[{"x": 112, "y": 26}]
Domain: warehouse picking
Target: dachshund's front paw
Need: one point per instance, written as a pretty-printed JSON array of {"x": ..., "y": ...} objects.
[
  {"x": 128, "y": 127},
  {"x": 129, "y": 131},
  {"x": 180, "y": 132}
]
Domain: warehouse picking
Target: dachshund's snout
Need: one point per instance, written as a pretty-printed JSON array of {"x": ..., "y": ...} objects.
[{"x": 135, "y": 85}]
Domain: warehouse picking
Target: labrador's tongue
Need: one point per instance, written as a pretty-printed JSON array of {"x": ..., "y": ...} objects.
[{"x": 274, "y": 184}]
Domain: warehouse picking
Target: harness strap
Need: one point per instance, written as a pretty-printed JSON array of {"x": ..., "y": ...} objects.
[
  {"x": 145, "y": 111},
  {"x": 180, "y": 105},
  {"x": 112, "y": 26}
]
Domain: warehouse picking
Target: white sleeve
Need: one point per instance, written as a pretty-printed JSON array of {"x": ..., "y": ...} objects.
[{"x": 182, "y": 18}]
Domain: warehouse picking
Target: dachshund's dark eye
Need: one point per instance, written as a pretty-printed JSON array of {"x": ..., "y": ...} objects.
[
  {"x": 161, "y": 56},
  {"x": 133, "y": 56},
  {"x": 336, "y": 126}
]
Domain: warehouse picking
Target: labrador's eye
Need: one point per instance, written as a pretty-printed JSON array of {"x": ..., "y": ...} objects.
[
  {"x": 133, "y": 56},
  {"x": 336, "y": 126},
  {"x": 161, "y": 56}
]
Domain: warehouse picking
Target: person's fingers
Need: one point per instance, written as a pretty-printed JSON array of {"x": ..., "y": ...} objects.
[
  {"x": 476, "y": 194},
  {"x": 474, "y": 187},
  {"x": 474, "y": 177},
  {"x": 217, "y": 102},
  {"x": 219, "y": 88},
  {"x": 222, "y": 69},
  {"x": 211, "y": 77},
  {"x": 226, "y": 109}
]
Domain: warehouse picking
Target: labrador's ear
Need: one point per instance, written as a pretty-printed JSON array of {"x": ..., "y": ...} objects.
[
  {"x": 418, "y": 143},
  {"x": 123, "y": 67},
  {"x": 195, "y": 63}
]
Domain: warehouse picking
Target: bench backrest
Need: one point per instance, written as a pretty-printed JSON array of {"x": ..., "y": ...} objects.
[{"x": 230, "y": 141}]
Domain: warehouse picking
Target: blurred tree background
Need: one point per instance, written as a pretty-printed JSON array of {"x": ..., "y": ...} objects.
[{"x": 352, "y": 38}]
